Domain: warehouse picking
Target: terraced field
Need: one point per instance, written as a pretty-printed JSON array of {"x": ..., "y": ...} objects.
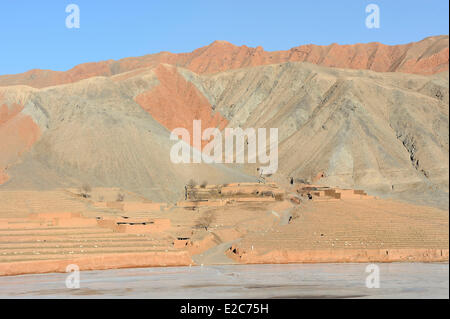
[
  {"x": 56, "y": 225},
  {"x": 46, "y": 231},
  {"x": 355, "y": 227}
]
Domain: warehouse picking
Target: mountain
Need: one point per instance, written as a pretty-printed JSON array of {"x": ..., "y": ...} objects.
[
  {"x": 93, "y": 132},
  {"x": 108, "y": 123},
  {"x": 428, "y": 56},
  {"x": 384, "y": 132}
]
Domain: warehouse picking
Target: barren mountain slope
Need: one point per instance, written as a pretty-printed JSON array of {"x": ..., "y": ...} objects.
[
  {"x": 18, "y": 131},
  {"x": 94, "y": 132},
  {"x": 428, "y": 56},
  {"x": 383, "y": 132}
]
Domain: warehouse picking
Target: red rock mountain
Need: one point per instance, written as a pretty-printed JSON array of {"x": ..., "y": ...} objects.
[{"x": 428, "y": 56}]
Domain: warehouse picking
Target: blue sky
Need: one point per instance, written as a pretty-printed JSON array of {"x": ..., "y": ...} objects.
[{"x": 33, "y": 34}]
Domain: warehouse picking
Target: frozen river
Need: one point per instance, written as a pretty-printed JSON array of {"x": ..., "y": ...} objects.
[{"x": 397, "y": 280}]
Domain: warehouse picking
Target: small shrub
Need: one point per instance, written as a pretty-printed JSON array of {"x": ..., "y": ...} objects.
[
  {"x": 85, "y": 190},
  {"x": 295, "y": 215},
  {"x": 203, "y": 185},
  {"x": 191, "y": 183},
  {"x": 120, "y": 197},
  {"x": 301, "y": 181},
  {"x": 205, "y": 220}
]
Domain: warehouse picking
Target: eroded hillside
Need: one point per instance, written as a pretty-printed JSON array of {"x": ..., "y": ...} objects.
[{"x": 386, "y": 133}]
